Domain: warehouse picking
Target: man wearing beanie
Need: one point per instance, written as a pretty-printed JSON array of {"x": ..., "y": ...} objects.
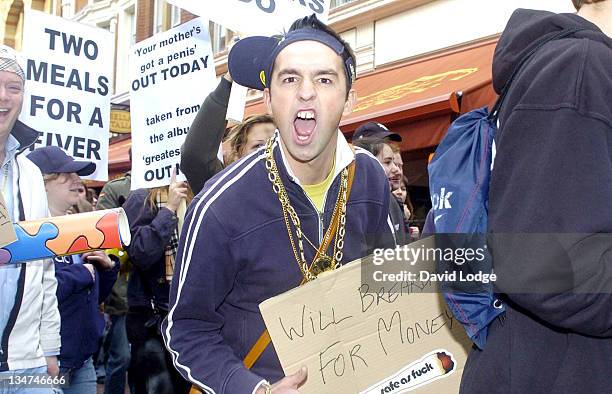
[{"x": 29, "y": 317}]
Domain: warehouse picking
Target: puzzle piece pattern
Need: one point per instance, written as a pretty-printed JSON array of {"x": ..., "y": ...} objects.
[
  {"x": 62, "y": 235},
  {"x": 73, "y": 227},
  {"x": 5, "y": 257},
  {"x": 109, "y": 226},
  {"x": 31, "y": 246}
]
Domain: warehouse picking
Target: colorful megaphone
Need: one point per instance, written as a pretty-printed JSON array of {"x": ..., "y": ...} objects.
[{"x": 65, "y": 235}]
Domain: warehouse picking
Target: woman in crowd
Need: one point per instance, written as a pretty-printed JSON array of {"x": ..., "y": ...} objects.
[
  {"x": 83, "y": 204},
  {"x": 199, "y": 159},
  {"x": 153, "y": 224},
  {"x": 83, "y": 281},
  {"x": 383, "y": 152},
  {"x": 248, "y": 136},
  {"x": 403, "y": 198}
]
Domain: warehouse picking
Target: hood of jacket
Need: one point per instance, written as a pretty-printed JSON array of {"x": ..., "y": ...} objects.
[
  {"x": 525, "y": 28},
  {"x": 26, "y": 135}
]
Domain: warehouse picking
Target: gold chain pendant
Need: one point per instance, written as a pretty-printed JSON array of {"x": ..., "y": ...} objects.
[{"x": 322, "y": 264}]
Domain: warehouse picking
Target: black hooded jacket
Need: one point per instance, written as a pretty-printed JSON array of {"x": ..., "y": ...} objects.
[{"x": 552, "y": 174}]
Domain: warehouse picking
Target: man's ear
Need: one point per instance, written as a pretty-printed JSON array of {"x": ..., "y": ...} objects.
[
  {"x": 268, "y": 100},
  {"x": 351, "y": 100}
]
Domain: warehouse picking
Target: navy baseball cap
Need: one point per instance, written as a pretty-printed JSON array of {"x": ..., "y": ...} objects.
[
  {"x": 52, "y": 159},
  {"x": 251, "y": 59},
  {"x": 375, "y": 130}
]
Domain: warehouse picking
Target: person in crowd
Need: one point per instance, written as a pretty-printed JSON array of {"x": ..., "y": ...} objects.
[
  {"x": 248, "y": 136},
  {"x": 378, "y": 131},
  {"x": 113, "y": 195},
  {"x": 230, "y": 258},
  {"x": 381, "y": 149},
  {"x": 552, "y": 156},
  {"x": 84, "y": 281},
  {"x": 403, "y": 199},
  {"x": 83, "y": 204},
  {"x": 91, "y": 195},
  {"x": 153, "y": 224},
  {"x": 29, "y": 316},
  {"x": 397, "y": 181},
  {"x": 199, "y": 161}
]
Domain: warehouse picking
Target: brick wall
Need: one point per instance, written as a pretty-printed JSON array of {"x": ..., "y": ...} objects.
[
  {"x": 144, "y": 19},
  {"x": 79, "y": 4},
  {"x": 187, "y": 16}
]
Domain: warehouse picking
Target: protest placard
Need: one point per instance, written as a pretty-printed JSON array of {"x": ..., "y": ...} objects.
[
  {"x": 69, "y": 71},
  {"x": 358, "y": 337},
  {"x": 171, "y": 74},
  {"x": 255, "y": 17},
  {"x": 7, "y": 232}
]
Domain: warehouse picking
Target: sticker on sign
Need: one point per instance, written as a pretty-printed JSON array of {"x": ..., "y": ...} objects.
[{"x": 435, "y": 365}]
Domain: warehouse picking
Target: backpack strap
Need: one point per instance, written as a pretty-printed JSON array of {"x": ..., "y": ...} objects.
[{"x": 545, "y": 40}]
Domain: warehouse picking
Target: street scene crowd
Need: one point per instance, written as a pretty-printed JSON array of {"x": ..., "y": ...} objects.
[{"x": 177, "y": 310}]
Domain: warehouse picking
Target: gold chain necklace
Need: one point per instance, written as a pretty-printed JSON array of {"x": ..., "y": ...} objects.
[{"x": 321, "y": 261}]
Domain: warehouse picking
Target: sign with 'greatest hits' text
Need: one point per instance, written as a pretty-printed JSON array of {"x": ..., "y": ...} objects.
[
  {"x": 171, "y": 73},
  {"x": 69, "y": 70},
  {"x": 255, "y": 17}
]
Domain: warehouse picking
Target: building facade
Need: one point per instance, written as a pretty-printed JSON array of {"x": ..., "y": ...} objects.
[{"x": 420, "y": 63}]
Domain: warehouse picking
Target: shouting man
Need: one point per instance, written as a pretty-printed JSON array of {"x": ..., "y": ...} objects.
[{"x": 304, "y": 203}]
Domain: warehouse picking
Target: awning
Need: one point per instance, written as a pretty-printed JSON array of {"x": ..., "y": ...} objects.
[
  {"x": 118, "y": 159},
  {"x": 118, "y": 156},
  {"x": 419, "y": 98}
]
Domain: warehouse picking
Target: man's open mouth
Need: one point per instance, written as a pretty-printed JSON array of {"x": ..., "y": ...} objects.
[{"x": 304, "y": 124}]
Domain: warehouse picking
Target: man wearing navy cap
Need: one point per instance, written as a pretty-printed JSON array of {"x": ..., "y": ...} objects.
[
  {"x": 67, "y": 182},
  {"x": 53, "y": 159},
  {"x": 84, "y": 281},
  {"x": 375, "y": 130},
  {"x": 302, "y": 204}
]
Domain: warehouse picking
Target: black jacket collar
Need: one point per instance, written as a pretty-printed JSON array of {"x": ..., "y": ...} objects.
[{"x": 25, "y": 135}]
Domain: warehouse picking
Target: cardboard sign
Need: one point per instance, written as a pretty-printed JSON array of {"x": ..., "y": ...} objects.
[
  {"x": 171, "y": 74},
  {"x": 7, "y": 232},
  {"x": 255, "y": 17},
  {"x": 358, "y": 339},
  {"x": 69, "y": 71}
]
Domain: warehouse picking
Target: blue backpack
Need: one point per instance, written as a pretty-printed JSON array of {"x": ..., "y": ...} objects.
[{"x": 459, "y": 176}]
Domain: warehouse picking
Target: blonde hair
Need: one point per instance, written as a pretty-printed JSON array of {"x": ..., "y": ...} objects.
[
  {"x": 50, "y": 177},
  {"x": 237, "y": 136},
  {"x": 162, "y": 192}
]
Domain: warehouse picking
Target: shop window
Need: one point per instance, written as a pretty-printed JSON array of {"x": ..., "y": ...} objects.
[
  {"x": 219, "y": 37},
  {"x": 131, "y": 23},
  {"x": 175, "y": 16},
  {"x": 160, "y": 16},
  {"x": 338, "y": 3}
]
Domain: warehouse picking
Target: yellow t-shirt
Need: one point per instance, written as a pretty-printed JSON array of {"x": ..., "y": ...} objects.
[{"x": 317, "y": 192}]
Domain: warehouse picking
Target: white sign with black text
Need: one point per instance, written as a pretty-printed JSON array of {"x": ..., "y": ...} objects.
[
  {"x": 69, "y": 71},
  {"x": 255, "y": 17},
  {"x": 171, "y": 73}
]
